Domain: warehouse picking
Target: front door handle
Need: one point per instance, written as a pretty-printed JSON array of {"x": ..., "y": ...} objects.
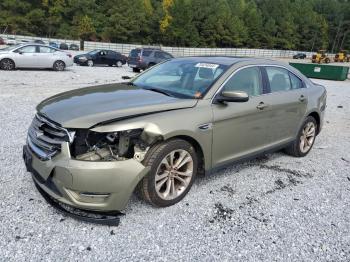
[
  {"x": 261, "y": 106},
  {"x": 302, "y": 98}
]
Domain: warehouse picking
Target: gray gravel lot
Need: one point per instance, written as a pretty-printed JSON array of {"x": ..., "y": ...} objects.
[{"x": 274, "y": 208}]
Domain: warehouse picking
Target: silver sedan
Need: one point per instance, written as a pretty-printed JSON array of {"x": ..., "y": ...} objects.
[{"x": 34, "y": 56}]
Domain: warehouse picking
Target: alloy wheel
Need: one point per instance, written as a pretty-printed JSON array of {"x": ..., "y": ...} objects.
[
  {"x": 119, "y": 64},
  {"x": 7, "y": 64},
  {"x": 307, "y": 137},
  {"x": 90, "y": 63},
  {"x": 174, "y": 174},
  {"x": 59, "y": 66}
]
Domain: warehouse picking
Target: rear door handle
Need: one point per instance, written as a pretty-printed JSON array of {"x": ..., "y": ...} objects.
[
  {"x": 302, "y": 98},
  {"x": 261, "y": 106}
]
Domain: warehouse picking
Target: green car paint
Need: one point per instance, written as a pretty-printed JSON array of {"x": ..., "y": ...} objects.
[{"x": 221, "y": 132}]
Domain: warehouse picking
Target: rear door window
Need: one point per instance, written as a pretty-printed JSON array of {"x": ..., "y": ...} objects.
[
  {"x": 167, "y": 56},
  {"x": 279, "y": 79},
  {"x": 45, "y": 49},
  {"x": 159, "y": 55},
  {"x": 135, "y": 53},
  {"x": 295, "y": 81},
  {"x": 146, "y": 53}
]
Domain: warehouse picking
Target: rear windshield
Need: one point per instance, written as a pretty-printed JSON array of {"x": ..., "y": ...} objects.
[{"x": 135, "y": 52}]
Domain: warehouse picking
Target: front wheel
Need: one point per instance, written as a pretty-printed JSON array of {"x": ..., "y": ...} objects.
[
  {"x": 7, "y": 64},
  {"x": 173, "y": 169},
  {"x": 59, "y": 66},
  {"x": 90, "y": 63},
  {"x": 305, "y": 139}
]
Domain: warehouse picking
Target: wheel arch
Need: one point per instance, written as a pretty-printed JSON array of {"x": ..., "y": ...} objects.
[
  {"x": 59, "y": 60},
  {"x": 198, "y": 148},
  {"x": 317, "y": 117}
]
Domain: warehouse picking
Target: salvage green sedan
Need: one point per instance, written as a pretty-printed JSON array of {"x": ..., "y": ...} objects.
[{"x": 91, "y": 148}]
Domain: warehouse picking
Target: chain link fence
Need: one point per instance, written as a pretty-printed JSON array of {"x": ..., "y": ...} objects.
[{"x": 175, "y": 51}]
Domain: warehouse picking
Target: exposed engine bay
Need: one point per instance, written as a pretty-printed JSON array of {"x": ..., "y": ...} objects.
[{"x": 93, "y": 146}]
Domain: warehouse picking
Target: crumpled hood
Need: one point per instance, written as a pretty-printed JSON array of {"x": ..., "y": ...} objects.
[{"x": 86, "y": 107}]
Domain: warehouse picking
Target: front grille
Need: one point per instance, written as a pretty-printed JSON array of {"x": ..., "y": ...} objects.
[{"x": 45, "y": 138}]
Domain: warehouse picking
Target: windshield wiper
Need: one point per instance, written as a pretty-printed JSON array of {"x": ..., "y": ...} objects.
[{"x": 158, "y": 91}]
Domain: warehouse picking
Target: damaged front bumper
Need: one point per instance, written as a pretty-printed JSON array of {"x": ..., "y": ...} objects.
[{"x": 101, "y": 186}]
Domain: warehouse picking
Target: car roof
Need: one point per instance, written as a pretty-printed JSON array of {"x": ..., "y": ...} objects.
[{"x": 226, "y": 60}]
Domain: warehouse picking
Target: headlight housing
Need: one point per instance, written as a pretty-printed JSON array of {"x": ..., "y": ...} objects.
[{"x": 94, "y": 146}]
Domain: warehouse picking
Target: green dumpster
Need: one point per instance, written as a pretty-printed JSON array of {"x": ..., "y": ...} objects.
[{"x": 329, "y": 72}]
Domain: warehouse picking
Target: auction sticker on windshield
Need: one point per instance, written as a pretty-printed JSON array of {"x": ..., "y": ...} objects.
[{"x": 206, "y": 65}]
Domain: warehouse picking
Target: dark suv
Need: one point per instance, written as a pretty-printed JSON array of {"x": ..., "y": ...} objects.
[{"x": 143, "y": 58}]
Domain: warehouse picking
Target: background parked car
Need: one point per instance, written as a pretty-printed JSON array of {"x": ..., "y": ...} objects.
[
  {"x": 74, "y": 47},
  {"x": 2, "y": 41},
  {"x": 11, "y": 41},
  {"x": 63, "y": 46},
  {"x": 299, "y": 56},
  {"x": 38, "y": 41},
  {"x": 101, "y": 57},
  {"x": 54, "y": 44},
  {"x": 142, "y": 58},
  {"x": 34, "y": 56}
]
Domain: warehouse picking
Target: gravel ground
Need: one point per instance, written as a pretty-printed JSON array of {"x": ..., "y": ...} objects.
[{"x": 274, "y": 208}]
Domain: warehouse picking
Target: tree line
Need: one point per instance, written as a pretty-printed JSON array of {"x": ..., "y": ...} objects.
[{"x": 275, "y": 24}]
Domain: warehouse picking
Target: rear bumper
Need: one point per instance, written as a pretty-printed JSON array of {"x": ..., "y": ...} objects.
[
  {"x": 87, "y": 185},
  {"x": 137, "y": 65}
]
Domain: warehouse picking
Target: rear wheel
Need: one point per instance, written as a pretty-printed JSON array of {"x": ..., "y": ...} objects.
[
  {"x": 7, "y": 64},
  {"x": 119, "y": 63},
  {"x": 59, "y": 66},
  {"x": 173, "y": 169},
  {"x": 305, "y": 139}
]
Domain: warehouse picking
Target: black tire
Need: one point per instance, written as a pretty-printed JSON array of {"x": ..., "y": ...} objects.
[
  {"x": 119, "y": 63},
  {"x": 90, "y": 63},
  {"x": 136, "y": 70},
  {"x": 7, "y": 64},
  {"x": 295, "y": 148},
  {"x": 59, "y": 65},
  {"x": 146, "y": 188}
]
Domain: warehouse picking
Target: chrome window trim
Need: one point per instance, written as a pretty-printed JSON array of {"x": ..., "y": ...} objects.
[{"x": 247, "y": 66}]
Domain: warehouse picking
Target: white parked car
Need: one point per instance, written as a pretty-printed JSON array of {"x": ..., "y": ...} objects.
[
  {"x": 34, "y": 56},
  {"x": 11, "y": 41}
]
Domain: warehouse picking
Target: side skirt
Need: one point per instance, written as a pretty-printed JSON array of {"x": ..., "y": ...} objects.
[{"x": 248, "y": 157}]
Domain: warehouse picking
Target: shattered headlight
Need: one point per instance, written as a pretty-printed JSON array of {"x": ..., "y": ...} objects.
[{"x": 94, "y": 146}]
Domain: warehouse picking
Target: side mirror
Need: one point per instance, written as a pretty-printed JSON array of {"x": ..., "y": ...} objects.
[{"x": 231, "y": 96}]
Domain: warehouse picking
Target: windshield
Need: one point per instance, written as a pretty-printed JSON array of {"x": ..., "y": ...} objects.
[
  {"x": 94, "y": 52},
  {"x": 9, "y": 48},
  {"x": 181, "y": 78}
]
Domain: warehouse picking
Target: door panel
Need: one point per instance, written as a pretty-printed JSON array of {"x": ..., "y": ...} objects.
[
  {"x": 45, "y": 57},
  {"x": 239, "y": 129},
  {"x": 288, "y": 100},
  {"x": 26, "y": 57}
]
